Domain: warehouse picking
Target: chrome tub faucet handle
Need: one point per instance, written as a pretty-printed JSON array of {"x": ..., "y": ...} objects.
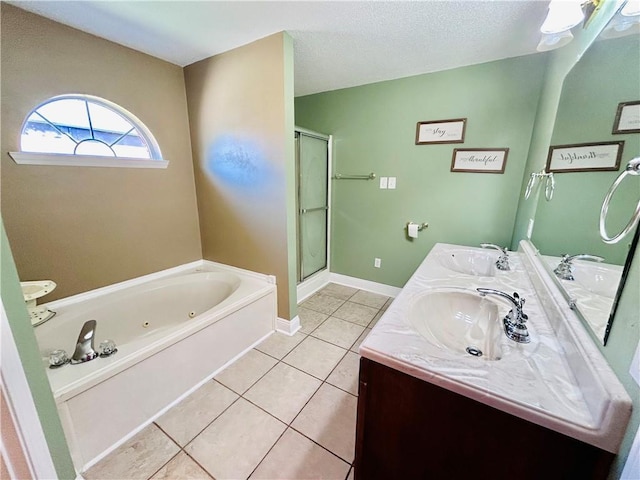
[{"x": 84, "y": 351}]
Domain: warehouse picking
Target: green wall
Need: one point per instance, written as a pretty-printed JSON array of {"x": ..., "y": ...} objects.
[
  {"x": 374, "y": 131},
  {"x": 25, "y": 340},
  {"x": 608, "y": 73}
]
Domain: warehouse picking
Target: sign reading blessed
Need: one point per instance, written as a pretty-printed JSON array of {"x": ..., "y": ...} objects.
[
  {"x": 479, "y": 160},
  {"x": 441, "y": 131},
  {"x": 585, "y": 157}
]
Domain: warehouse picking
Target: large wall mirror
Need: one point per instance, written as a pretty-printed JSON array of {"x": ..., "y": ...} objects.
[{"x": 607, "y": 75}]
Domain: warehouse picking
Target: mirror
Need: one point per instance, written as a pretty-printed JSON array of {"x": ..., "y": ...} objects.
[{"x": 607, "y": 75}]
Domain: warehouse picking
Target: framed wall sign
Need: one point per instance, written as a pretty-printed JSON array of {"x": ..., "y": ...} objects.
[
  {"x": 441, "y": 131},
  {"x": 479, "y": 160},
  {"x": 585, "y": 157},
  {"x": 627, "y": 118}
]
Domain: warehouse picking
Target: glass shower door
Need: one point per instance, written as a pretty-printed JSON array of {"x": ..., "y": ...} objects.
[{"x": 312, "y": 204}]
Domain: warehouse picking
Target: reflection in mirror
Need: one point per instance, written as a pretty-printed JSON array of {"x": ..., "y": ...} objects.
[{"x": 608, "y": 74}]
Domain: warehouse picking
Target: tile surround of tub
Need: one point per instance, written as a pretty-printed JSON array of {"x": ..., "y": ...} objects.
[{"x": 289, "y": 406}]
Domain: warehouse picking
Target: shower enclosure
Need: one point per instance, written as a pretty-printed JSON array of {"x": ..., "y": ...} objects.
[{"x": 312, "y": 165}]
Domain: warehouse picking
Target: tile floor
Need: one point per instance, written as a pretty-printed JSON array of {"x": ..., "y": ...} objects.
[{"x": 285, "y": 410}]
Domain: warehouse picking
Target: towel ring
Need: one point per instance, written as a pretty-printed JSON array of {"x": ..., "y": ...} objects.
[{"x": 633, "y": 168}]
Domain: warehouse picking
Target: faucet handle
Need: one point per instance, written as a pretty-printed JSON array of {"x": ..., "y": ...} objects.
[
  {"x": 503, "y": 260},
  {"x": 564, "y": 270}
]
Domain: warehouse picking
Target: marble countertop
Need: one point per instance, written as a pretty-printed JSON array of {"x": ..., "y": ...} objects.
[{"x": 533, "y": 381}]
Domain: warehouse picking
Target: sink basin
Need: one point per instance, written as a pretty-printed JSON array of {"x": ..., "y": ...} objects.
[
  {"x": 468, "y": 262},
  {"x": 601, "y": 280},
  {"x": 460, "y": 322}
]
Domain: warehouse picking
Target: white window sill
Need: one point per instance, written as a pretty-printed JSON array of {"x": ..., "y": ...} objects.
[{"x": 59, "y": 159}]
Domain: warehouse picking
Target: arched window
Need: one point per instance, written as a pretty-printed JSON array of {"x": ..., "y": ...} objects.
[{"x": 80, "y": 130}]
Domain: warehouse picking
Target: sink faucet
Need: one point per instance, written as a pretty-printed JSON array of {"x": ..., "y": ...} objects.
[
  {"x": 503, "y": 260},
  {"x": 84, "y": 346},
  {"x": 514, "y": 322},
  {"x": 564, "y": 270}
]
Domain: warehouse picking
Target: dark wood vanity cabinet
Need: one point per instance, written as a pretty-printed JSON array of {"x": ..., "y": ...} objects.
[{"x": 409, "y": 429}]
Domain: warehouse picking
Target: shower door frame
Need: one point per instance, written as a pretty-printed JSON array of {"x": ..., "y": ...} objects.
[{"x": 320, "y": 274}]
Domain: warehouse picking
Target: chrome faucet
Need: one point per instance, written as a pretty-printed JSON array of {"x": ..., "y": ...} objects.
[
  {"x": 564, "y": 269},
  {"x": 514, "y": 322},
  {"x": 84, "y": 346},
  {"x": 503, "y": 260}
]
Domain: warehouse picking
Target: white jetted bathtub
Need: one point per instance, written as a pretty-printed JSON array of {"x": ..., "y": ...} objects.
[{"x": 173, "y": 330}]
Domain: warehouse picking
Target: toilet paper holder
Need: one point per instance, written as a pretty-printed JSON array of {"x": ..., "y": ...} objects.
[{"x": 421, "y": 226}]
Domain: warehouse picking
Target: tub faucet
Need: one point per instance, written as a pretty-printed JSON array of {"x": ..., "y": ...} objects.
[
  {"x": 564, "y": 269},
  {"x": 514, "y": 322},
  {"x": 503, "y": 260},
  {"x": 84, "y": 346}
]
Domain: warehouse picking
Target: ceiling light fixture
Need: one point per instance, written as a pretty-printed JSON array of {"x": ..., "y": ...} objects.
[
  {"x": 563, "y": 15},
  {"x": 553, "y": 41},
  {"x": 631, "y": 8}
]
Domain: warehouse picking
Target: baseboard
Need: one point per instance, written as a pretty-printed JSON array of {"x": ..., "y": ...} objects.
[
  {"x": 288, "y": 327},
  {"x": 367, "y": 285},
  {"x": 312, "y": 285}
]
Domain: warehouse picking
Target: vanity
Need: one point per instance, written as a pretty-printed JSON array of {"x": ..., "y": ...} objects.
[{"x": 443, "y": 393}]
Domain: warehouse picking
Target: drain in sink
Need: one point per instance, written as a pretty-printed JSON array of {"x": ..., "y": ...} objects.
[{"x": 475, "y": 351}]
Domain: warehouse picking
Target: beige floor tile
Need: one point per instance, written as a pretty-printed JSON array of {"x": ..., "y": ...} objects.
[
  {"x": 340, "y": 291},
  {"x": 181, "y": 467},
  {"x": 295, "y": 457},
  {"x": 236, "y": 442},
  {"x": 184, "y": 421},
  {"x": 345, "y": 375},
  {"x": 279, "y": 344},
  {"x": 369, "y": 299},
  {"x": 355, "y": 346},
  {"x": 376, "y": 318},
  {"x": 322, "y": 303},
  {"x": 310, "y": 319},
  {"x": 316, "y": 357},
  {"x": 330, "y": 420},
  {"x": 283, "y": 391},
  {"x": 356, "y": 313},
  {"x": 246, "y": 371},
  {"x": 339, "y": 332},
  {"x": 138, "y": 458}
]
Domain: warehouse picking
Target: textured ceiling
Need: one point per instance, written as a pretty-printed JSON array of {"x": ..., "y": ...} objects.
[{"x": 337, "y": 44}]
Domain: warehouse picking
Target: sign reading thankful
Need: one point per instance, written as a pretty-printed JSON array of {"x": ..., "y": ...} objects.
[
  {"x": 481, "y": 160},
  {"x": 585, "y": 157}
]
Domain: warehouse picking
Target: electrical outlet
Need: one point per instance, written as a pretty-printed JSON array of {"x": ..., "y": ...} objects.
[
  {"x": 377, "y": 262},
  {"x": 383, "y": 182},
  {"x": 392, "y": 182}
]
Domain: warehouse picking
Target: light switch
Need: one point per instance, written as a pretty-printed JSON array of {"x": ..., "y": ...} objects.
[
  {"x": 383, "y": 182},
  {"x": 392, "y": 182}
]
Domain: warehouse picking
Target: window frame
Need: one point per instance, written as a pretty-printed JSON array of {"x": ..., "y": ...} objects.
[{"x": 64, "y": 159}]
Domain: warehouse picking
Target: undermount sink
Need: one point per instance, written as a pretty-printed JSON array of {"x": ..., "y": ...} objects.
[
  {"x": 458, "y": 321},
  {"x": 468, "y": 262},
  {"x": 597, "y": 279}
]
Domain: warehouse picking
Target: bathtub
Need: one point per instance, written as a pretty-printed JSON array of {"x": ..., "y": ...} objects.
[{"x": 174, "y": 330}]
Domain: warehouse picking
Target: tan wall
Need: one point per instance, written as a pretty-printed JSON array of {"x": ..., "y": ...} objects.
[
  {"x": 239, "y": 135},
  {"x": 85, "y": 227}
]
